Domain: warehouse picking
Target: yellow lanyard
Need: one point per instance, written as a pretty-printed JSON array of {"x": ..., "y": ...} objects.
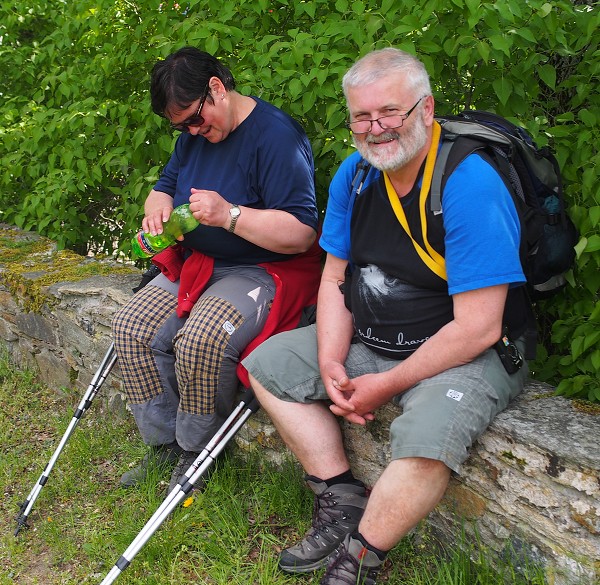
[{"x": 434, "y": 261}]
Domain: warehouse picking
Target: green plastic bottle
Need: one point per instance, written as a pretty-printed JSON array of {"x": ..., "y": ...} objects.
[{"x": 181, "y": 221}]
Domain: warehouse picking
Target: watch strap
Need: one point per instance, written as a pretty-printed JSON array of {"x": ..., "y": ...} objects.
[{"x": 235, "y": 213}]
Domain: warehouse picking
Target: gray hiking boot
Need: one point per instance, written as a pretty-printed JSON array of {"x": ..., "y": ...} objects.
[
  {"x": 186, "y": 458},
  {"x": 336, "y": 513},
  {"x": 352, "y": 564},
  {"x": 161, "y": 456}
]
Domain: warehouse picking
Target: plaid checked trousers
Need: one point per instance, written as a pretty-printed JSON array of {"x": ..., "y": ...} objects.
[{"x": 179, "y": 374}]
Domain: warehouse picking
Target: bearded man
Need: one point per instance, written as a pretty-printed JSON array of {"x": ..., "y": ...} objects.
[{"x": 411, "y": 308}]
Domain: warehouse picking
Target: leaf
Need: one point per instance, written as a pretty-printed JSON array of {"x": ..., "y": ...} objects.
[
  {"x": 212, "y": 44},
  {"x": 310, "y": 8},
  {"x": 358, "y": 7},
  {"x": 560, "y": 131},
  {"x": 577, "y": 347},
  {"x": 473, "y": 6},
  {"x": 308, "y": 101},
  {"x": 527, "y": 34},
  {"x": 547, "y": 74},
  {"x": 594, "y": 393},
  {"x": 593, "y": 243},
  {"x": 503, "y": 89},
  {"x": 484, "y": 50},
  {"x": 464, "y": 57},
  {"x": 295, "y": 87},
  {"x": 501, "y": 43},
  {"x": 588, "y": 118},
  {"x": 562, "y": 387}
]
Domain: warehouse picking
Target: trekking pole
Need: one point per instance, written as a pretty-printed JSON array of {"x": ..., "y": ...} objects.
[
  {"x": 101, "y": 374},
  {"x": 205, "y": 459},
  {"x": 99, "y": 377}
]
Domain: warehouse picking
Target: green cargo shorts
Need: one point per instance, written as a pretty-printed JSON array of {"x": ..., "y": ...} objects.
[{"x": 441, "y": 416}]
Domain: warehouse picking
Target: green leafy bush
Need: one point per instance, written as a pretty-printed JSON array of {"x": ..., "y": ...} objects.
[{"x": 80, "y": 147}]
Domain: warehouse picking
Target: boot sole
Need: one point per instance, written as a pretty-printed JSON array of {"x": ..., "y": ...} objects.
[{"x": 310, "y": 568}]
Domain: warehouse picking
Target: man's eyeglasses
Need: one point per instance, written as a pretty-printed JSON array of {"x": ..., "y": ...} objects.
[
  {"x": 195, "y": 120},
  {"x": 385, "y": 122}
]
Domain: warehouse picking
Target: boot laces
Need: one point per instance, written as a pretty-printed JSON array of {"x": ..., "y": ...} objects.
[
  {"x": 325, "y": 518},
  {"x": 346, "y": 568}
]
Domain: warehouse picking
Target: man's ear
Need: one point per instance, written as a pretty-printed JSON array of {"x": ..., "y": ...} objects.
[{"x": 428, "y": 109}]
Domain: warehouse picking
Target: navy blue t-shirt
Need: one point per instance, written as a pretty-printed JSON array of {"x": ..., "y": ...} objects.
[{"x": 265, "y": 163}]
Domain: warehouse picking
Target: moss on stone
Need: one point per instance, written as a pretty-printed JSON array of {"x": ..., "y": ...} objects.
[
  {"x": 510, "y": 456},
  {"x": 578, "y": 404},
  {"x": 542, "y": 395},
  {"x": 17, "y": 246},
  {"x": 586, "y": 407},
  {"x": 29, "y": 264}
]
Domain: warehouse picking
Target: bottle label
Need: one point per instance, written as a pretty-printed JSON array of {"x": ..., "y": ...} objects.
[{"x": 145, "y": 245}]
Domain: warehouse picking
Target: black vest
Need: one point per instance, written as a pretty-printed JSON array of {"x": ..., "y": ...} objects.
[{"x": 396, "y": 301}]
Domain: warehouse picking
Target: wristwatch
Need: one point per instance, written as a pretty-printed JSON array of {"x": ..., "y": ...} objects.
[{"x": 235, "y": 212}]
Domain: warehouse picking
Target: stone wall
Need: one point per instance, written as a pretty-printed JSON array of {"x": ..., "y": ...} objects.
[{"x": 531, "y": 487}]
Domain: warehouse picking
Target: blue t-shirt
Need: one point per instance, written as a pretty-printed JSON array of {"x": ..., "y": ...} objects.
[
  {"x": 482, "y": 229},
  {"x": 397, "y": 302},
  {"x": 265, "y": 163}
]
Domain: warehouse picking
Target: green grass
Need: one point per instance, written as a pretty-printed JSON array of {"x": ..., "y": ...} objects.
[{"x": 232, "y": 533}]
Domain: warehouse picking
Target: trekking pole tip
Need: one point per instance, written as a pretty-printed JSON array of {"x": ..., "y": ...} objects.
[{"x": 21, "y": 523}]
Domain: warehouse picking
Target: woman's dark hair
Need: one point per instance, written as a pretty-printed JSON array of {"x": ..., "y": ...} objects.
[{"x": 183, "y": 77}]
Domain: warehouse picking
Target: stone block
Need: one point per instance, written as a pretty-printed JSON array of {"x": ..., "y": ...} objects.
[
  {"x": 37, "y": 326},
  {"x": 7, "y": 332},
  {"x": 54, "y": 371}
]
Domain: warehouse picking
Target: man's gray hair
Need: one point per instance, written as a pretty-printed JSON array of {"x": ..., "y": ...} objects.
[{"x": 384, "y": 62}]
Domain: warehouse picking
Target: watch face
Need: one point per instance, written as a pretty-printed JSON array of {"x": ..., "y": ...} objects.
[{"x": 234, "y": 211}]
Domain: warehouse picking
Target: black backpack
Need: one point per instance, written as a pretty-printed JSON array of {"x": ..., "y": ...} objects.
[{"x": 532, "y": 175}]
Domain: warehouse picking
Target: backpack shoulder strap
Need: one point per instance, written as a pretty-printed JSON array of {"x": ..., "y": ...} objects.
[
  {"x": 438, "y": 175},
  {"x": 455, "y": 148},
  {"x": 362, "y": 170}
]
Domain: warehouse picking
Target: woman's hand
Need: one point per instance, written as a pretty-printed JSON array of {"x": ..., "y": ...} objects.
[
  {"x": 209, "y": 208},
  {"x": 157, "y": 210},
  {"x": 153, "y": 222}
]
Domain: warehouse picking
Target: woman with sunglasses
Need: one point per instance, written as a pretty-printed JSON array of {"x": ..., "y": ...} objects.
[{"x": 246, "y": 272}]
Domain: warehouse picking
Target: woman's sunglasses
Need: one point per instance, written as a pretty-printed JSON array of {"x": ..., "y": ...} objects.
[{"x": 195, "y": 120}]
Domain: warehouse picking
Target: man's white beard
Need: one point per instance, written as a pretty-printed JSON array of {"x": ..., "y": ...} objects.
[{"x": 408, "y": 145}]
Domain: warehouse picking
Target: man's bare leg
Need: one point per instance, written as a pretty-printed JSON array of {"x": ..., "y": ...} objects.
[
  {"x": 311, "y": 431},
  {"x": 313, "y": 434},
  {"x": 407, "y": 491}
]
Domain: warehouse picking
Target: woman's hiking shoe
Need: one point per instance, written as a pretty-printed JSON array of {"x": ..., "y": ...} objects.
[
  {"x": 186, "y": 458},
  {"x": 162, "y": 456},
  {"x": 336, "y": 513},
  {"x": 352, "y": 564}
]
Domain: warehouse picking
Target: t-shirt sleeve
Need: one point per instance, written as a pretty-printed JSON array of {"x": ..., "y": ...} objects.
[
  {"x": 286, "y": 172},
  {"x": 335, "y": 238},
  {"x": 482, "y": 229}
]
